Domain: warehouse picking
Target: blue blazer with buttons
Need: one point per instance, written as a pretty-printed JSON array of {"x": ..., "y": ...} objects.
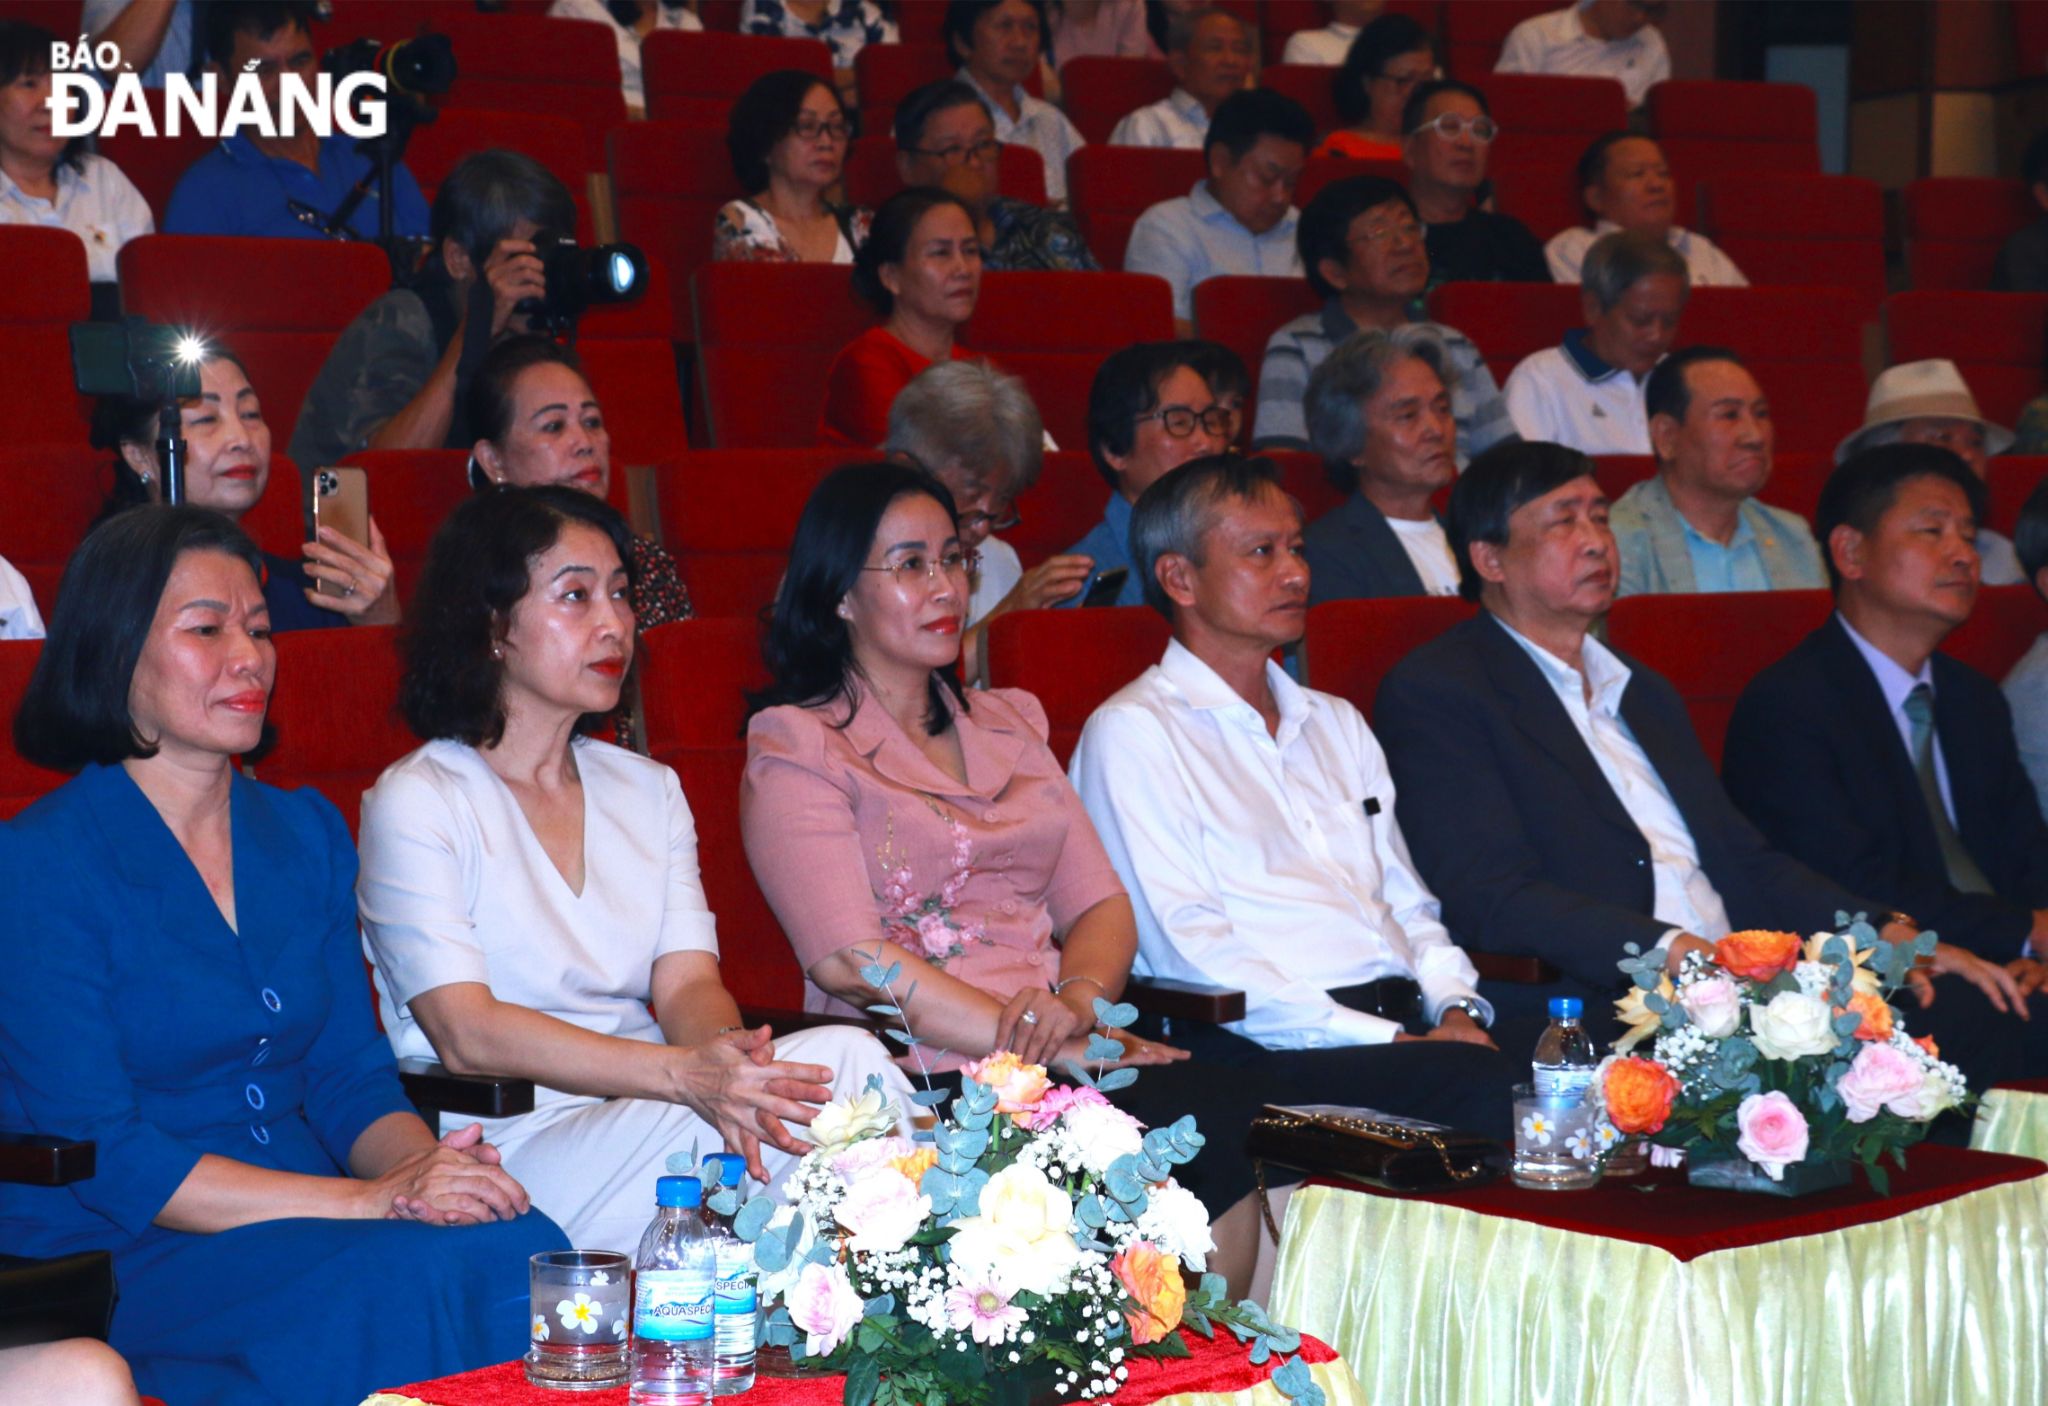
[{"x": 136, "y": 1017}]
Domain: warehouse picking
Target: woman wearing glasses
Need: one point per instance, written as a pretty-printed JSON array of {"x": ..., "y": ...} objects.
[
  {"x": 788, "y": 138},
  {"x": 1389, "y": 59}
]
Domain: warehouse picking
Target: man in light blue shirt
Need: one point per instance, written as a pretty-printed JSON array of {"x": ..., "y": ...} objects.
[
  {"x": 154, "y": 36},
  {"x": 1242, "y": 218},
  {"x": 1697, "y": 526}
]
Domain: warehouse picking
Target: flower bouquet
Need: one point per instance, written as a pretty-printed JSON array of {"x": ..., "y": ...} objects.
[
  {"x": 1777, "y": 1056},
  {"x": 1027, "y": 1246}
]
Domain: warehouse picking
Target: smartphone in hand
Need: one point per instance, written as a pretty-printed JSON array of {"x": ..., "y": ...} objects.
[
  {"x": 341, "y": 500},
  {"x": 1106, "y": 587}
]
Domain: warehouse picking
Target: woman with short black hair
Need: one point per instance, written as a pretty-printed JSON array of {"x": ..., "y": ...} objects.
[{"x": 788, "y": 136}]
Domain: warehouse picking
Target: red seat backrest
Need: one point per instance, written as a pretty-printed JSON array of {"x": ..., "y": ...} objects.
[
  {"x": 20, "y": 781},
  {"x": 1061, "y": 508},
  {"x": 2000, "y": 629},
  {"x": 1544, "y": 195},
  {"x": 558, "y": 143},
  {"x": 763, "y": 389},
  {"x": 1303, "y": 476},
  {"x": 1110, "y": 186},
  {"x": 278, "y": 519},
  {"x": 45, "y": 291},
  {"x": 1813, "y": 230},
  {"x": 1507, "y": 321},
  {"x": 668, "y": 181},
  {"x": 694, "y": 77},
  {"x": 1618, "y": 473},
  {"x": 1997, "y": 340},
  {"x": 279, "y": 303},
  {"x": 1100, "y": 92},
  {"x": 628, "y": 353},
  {"x": 872, "y": 177},
  {"x": 1955, "y": 226},
  {"x": 335, "y": 714},
  {"x": 729, "y": 515},
  {"x": 889, "y": 73},
  {"x": 1243, "y": 313},
  {"x": 2013, "y": 478},
  {"x": 1711, "y": 646},
  {"x": 154, "y": 163},
  {"x": 549, "y": 67},
  {"x": 1528, "y": 104},
  {"x": 1054, "y": 329},
  {"x": 694, "y": 675},
  {"x": 1474, "y": 33},
  {"x": 411, "y": 492},
  {"x": 1073, "y": 660},
  {"x": 1803, "y": 345},
  {"x": 1309, "y": 85},
  {"x": 1712, "y": 127},
  {"x": 49, "y": 496},
  {"x": 1321, "y": 170},
  {"x": 1351, "y": 644}
]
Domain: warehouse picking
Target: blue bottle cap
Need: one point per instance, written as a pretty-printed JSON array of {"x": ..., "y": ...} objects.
[
  {"x": 1566, "y": 1007},
  {"x": 731, "y": 1167},
  {"x": 678, "y": 1191}
]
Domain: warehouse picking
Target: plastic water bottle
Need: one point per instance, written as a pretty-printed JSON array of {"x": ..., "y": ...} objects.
[
  {"x": 737, "y": 1278},
  {"x": 1555, "y": 1132},
  {"x": 1565, "y": 1061},
  {"x": 674, "y": 1285}
]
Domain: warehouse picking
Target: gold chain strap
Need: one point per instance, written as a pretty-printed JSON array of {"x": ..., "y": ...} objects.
[{"x": 1394, "y": 1134}]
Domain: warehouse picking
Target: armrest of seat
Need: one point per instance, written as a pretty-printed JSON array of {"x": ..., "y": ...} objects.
[
  {"x": 1185, "y": 1000},
  {"x": 430, "y": 1085},
  {"x": 784, "y": 1020},
  {"x": 31, "y": 1159},
  {"x": 1522, "y": 970}
]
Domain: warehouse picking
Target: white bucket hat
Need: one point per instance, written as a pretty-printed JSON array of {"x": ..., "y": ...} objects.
[{"x": 1918, "y": 390}]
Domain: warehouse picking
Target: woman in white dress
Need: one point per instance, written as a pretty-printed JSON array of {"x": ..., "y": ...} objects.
[{"x": 528, "y": 891}]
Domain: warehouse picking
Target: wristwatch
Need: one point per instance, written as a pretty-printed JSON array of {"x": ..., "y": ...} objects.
[{"x": 1469, "y": 1007}]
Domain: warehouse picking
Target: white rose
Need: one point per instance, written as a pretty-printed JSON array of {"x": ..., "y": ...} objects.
[
  {"x": 1177, "y": 1222},
  {"x": 1714, "y": 1006},
  {"x": 845, "y": 1121},
  {"x": 882, "y": 1210},
  {"x": 1102, "y": 1132},
  {"x": 1792, "y": 1026},
  {"x": 1023, "y": 1237},
  {"x": 1922, "y": 1104}
]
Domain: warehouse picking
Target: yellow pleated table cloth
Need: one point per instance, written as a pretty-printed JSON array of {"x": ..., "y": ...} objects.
[
  {"x": 1475, "y": 1301},
  {"x": 2013, "y": 1118}
]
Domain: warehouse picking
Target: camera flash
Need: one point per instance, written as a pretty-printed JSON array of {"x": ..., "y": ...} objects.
[{"x": 191, "y": 350}]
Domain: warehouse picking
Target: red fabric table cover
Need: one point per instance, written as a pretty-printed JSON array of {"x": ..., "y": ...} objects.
[
  {"x": 1663, "y": 1210},
  {"x": 1218, "y": 1365},
  {"x": 2025, "y": 1086}
]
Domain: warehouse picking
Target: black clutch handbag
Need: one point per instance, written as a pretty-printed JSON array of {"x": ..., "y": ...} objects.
[
  {"x": 1379, "y": 1149},
  {"x": 43, "y": 1301}
]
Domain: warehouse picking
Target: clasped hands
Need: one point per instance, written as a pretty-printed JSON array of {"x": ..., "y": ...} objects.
[{"x": 457, "y": 1181}]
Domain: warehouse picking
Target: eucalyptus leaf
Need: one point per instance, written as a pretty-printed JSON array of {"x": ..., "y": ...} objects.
[
  {"x": 881, "y": 1009},
  {"x": 772, "y": 1254},
  {"x": 1102, "y": 1047},
  {"x": 753, "y": 1218},
  {"x": 724, "y": 1201},
  {"x": 928, "y": 1098},
  {"x": 874, "y": 976},
  {"x": 1848, "y": 1022},
  {"x": 1115, "y": 1014},
  {"x": 1117, "y": 1079},
  {"x": 901, "y": 1037},
  {"x": 1081, "y": 1076},
  {"x": 879, "y": 1305}
]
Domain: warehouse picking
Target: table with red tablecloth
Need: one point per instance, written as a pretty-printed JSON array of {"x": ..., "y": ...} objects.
[
  {"x": 1655, "y": 1290},
  {"x": 1217, "y": 1372}
]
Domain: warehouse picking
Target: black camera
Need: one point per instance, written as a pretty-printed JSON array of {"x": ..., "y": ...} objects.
[
  {"x": 413, "y": 68},
  {"x": 579, "y": 279},
  {"x": 135, "y": 358}
]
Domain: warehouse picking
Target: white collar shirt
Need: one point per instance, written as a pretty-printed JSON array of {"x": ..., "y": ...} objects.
[
  {"x": 96, "y": 202},
  {"x": 1566, "y": 395},
  {"x": 1176, "y": 120},
  {"x": 1038, "y": 125},
  {"x": 1704, "y": 261},
  {"x": 1271, "y": 863},
  {"x": 1686, "y": 897},
  {"x": 1896, "y": 685},
  {"x": 1325, "y": 47},
  {"x": 1192, "y": 238},
  {"x": 1559, "y": 43}
]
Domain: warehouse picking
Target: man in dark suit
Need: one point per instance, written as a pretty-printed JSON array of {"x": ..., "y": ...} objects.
[
  {"x": 1553, "y": 792},
  {"x": 1885, "y": 765}
]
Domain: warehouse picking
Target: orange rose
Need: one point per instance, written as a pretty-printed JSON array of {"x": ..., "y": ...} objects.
[
  {"x": 1877, "y": 1016},
  {"x": 1151, "y": 1277},
  {"x": 1926, "y": 1042},
  {"x": 1638, "y": 1093},
  {"x": 1757, "y": 955},
  {"x": 916, "y": 1164},
  {"x": 1019, "y": 1086}
]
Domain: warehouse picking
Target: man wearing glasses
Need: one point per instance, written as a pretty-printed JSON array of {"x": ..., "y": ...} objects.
[
  {"x": 1449, "y": 133},
  {"x": 1593, "y": 39}
]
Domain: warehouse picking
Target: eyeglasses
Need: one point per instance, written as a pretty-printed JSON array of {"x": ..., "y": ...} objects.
[
  {"x": 989, "y": 522},
  {"x": 1180, "y": 422},
  {"x": 915, "y": 568},
  {"x": 983, "y": 150},
  {"x": 810, "y": 128},
  {"x": 1451, "y": 125},
  {"x": 1387, "y": 234}
]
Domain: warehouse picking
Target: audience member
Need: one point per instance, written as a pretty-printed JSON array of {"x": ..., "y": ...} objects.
[
  {"x": 227, "y": 470},
  {"x": 1364, "y": 255},
  {"x": 1212, "y": 54},
  {"x": 630, "y": 22},
  {"x": 69, "y": 1372},
  {"x": 788, "y": 135},
  {"x": 1880, "y": 762},
  {"x": 921, "y": 270},
  {"x": 876, "y": 788},
  {"x": 1593, "y": 39},
  {"x": 1928, "y": 402},
  {"x": 1229, "y": 382},
  {"x": 19, "y": 618},
  {"x": 1626, "y": 183},
  {"x": 1214, "y": 755},
  {"x": 285, "y": 187},
  {"x": 52, "y": 181},
  {"x": 2022, "y": 265},
  {"x": 1449, "y": 131},
  {"x": 1241, "y": 218},
  {"x": 843, "y": 26},
  {"x": 1149, "y": 410},
  {"x": 209, "y": 962},
  {"x": 154, "y": 36},
  {"x": 1327, "y": 47},
  {"x": 1391, "y": 58},
  {"x": 528, "y": 892},
  {"x": 946, "y": 138},
  {"x": 1110, "y": 29},
  {"x": 2026, "y": 687},
  {"x": 390, "y": 382},
  {"x": 1697, "y": 525},
  {"x": 997, "y": 45},
  {"x": 1379, "y": 417},
  {"x": 1556, "y": 797},
  {"x": 1588, "y": 392}
]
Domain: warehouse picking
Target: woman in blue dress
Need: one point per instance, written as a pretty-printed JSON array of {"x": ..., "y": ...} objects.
[{"x": 184, "y": 986}]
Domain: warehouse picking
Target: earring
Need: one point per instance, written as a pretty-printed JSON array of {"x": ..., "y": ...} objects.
[
  {"x": 497, "y": 651},
  {"x": 843, "y": 612},
  {"x": 146, "y": 479}
]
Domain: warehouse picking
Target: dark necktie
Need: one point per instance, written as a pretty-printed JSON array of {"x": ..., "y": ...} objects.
[{"x": 1963, "y": 872}]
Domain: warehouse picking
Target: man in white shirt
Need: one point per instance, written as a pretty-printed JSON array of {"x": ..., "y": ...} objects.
[
  {"x": 1212, "y": 54},
  {"x": 1242, "y": 218},
  {"x": 1326, "y": 47},
  {"x": 1593, "y": 39},
  {"x": 1252, "y": 821},
  {"x": 1626, "y": 183},
  {"x": 998, "y": 47},
  {"x": 1588, "y": 392}
]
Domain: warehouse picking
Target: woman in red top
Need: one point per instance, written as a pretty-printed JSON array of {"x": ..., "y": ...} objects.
[{"x": 921, "y": 269}]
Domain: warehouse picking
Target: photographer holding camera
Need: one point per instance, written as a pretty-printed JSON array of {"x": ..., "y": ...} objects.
[{"x": 391, "y": 380}]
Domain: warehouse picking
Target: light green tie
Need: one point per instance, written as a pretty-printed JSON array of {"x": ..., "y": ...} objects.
[{"x": 1963, "y": 872}]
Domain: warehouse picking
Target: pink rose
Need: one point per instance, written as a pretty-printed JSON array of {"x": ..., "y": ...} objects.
[
  {"x": 882, "y": 1211},
  {"x": 1880, "y": 1074},
  {"x": 1063, "y": 1097},
  {"x": 1714, "y": 1005},
  {"x": 864, "y": 1156},
  {"x": 1773, "y": 1132},
  {"x": 823, "y": 1303},
  {"x": 935, "y": 936}
]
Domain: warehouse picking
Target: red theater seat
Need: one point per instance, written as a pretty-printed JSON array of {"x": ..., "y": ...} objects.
[
  {"x": 1618, "y": 473},
  {"x": 728, "y": 516},
  {"x": 1544, "y": 117},
  {"x": 694, "y": 77},
  {"x": 45, "y": 291},
  {"x": 1243, "y": 313},
  {"x": 1309, "y": 85},
  {"x": 1100, "y": 92},
  {"x": 1998, "y": 340},
  {"x": 2001, "y": 628},
  {"x": 1507, "y": 321},
  {"x": 1955, "y": 226},
  {"x": 1803, "y": 345},
  {"x": 2013, "y": 478},
  {"x": 557, "y": 143},
  {"x": 550, "y": 67},
  {"x": 1060, "y": 509},
  {"x": 335, "y": 714},
  {"x": 761, "y": 388},
  {"x": 1053, "y": 329},
  {"x": 411, "y": 491},
  {"x": 628, "y": 352},
  {"x": 889, "y": 73},
  {"x": 871, "y": 175},
  {"x": 1805, "y": 229},
  {"x": 1073, "y": 660},
  {"x": 668, "y": 181},
  {"x": 1110, "y": 186},
  {"x": 20, "y": 782},
  {"x": 280, "y": 303},
  {"x": 1712, "y": 127},
  {"x": 49, "y": 496},
  {"x": 1474, "y": 34},
  {"x": 1351, "y": 644},
  {"x": 1303, "y": 476}
]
